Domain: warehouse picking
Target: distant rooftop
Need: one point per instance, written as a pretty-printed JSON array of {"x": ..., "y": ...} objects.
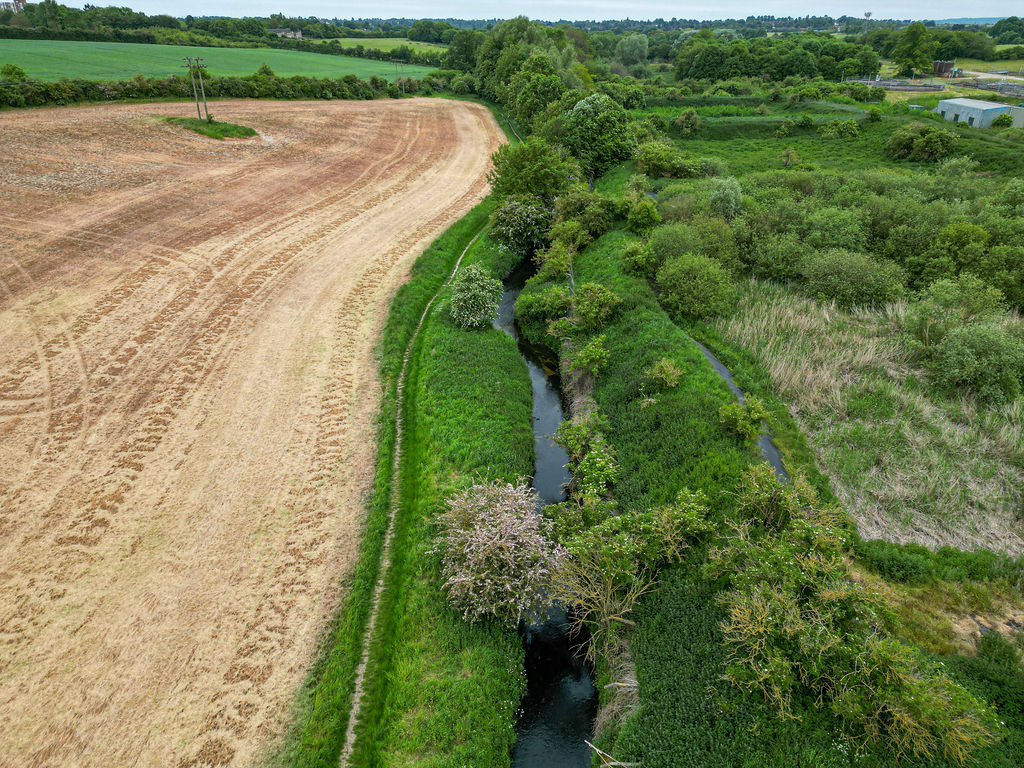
[{"x": 974, "y": 103}]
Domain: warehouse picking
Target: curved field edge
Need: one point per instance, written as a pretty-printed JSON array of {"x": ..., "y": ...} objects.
[{"x": 321, "y": 710}]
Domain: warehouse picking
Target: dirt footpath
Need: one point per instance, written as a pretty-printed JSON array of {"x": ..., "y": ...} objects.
[{"x": 187, "y": 401}]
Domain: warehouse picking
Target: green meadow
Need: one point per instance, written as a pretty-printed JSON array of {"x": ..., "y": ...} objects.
[{"x": 55, "y": 59}]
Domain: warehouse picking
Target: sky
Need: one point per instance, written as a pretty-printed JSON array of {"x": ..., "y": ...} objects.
[{"x": 569, "y": 9}]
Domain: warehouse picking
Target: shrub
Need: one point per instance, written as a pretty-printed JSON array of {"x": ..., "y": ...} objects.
[
  {"x": 670, "y": 241},
  {"x": 874, "y": 115},
  {"x": 639, "y": 259},
  {"x": 841, "y": 129},
  {"x": 591, "y": 357},
  {"x": 852, "y": 279},
  {"x": 532, "y": 167},
  {"x": 521, "y": 224},
  {"x": 834, "y": 228},
  {"x": 805, "y": 121},
  {"x": 982, "y": 359},
  {"x": 919, "y": 141},
  {"x": 726, "y": 197},
  {"x": 593, "y": 304},
  {"x": 611, "y": 563},
  {"x": 950, "y": 303},
  {"x": 1004, "y": 120},
  {"x": 744, "y": 418},
  {"x": 463, "y": 84},
  {"x": 688, "y": 122},
  {"x": 596, "y": 470},
  {"x": 570, "y": 233},
  {"x": 643, "y": 214},
  {"x": 785, "y": 128},
  {"x": 796, "y": 622},
  {"x": 475, "y": 297},
  {"x": 591, "y": 210},
  {"x": 496, "y": 560},
  {"x": 12, "y": 73},
  {"x": 656, "y": 158},
  {"x": 711, "y": 166},
  {"x": 665, "y": 372},
  {"x": 778, "y": 257},
  {"x": 695, "y": 286}
]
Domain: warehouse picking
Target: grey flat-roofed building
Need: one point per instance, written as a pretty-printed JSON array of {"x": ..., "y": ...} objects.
[{"x": 976, "y": 112}]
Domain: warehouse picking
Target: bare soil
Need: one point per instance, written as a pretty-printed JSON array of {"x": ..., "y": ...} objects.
[{"x": 187, "y": 406}]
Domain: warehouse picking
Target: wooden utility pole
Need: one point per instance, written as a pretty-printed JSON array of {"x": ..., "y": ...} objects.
[
  {"x": 400, "y": 65},
  {"x": 195, "y": 91},
  {"x": 202, "y": 89}
]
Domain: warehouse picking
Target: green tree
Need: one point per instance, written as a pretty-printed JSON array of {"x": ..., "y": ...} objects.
[
  {"x": 914, "y": 50},
  {"x": 597, "y": 132},
  {"x": 532, "y": 167},
  {"x": 631, "y": 50}
]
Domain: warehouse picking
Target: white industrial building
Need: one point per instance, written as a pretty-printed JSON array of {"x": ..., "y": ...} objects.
[{"x": 977, "y": 113}]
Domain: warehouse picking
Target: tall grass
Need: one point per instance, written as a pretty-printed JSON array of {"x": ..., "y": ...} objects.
[{"x": 908, "y": 465}]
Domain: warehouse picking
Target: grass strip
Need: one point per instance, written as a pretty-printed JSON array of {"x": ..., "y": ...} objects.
[
  {"x": 212, "y": 128},
  {"x": 444, "y": 692}
]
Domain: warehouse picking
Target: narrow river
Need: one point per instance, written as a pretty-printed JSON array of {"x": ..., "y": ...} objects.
[{"x": 557, "y": 714}]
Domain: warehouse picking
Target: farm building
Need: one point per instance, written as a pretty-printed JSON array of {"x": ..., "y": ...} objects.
[
  {"x": 977, "y": 113},
  {"x": 295, "y": 34}
]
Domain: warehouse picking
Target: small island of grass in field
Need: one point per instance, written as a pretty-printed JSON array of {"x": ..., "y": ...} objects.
[{"x": 212, "y": 128}]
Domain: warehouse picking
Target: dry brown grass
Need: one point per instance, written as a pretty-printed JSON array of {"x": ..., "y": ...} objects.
[{"x": 907, "y": 465}]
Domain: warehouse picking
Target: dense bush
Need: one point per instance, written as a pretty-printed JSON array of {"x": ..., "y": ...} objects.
[
  {"x": 725, "y": 198},
  {"x": 475, "y": 297},
  {"x": 592, "y": 306},
  {"x": 658, "y": 158},
  {"x": 687, "y": 122},
  {"x": 1004, "y": 120},
  {"x": 920, "y": 141},
  {"x": 744, "y": 418},
  {"x": 497, "y": 561},
  {"x": 532, "y": 167},
  {"x": 591, "y": 356},
  {"x": 851, "y": 279},
  {"x": 948, "y": 304},
  {"x": 521, "y": 224},
  {"x": 796, "y": 620},
  {"x": 643, "y": 214},
  {"x": 778, "y": 257},
  {"x": 263, "y": 84},
  {"x": 981, "y": 359},
  {"x": 841, "y": 129},
  {"x": 695, "y": 286}
]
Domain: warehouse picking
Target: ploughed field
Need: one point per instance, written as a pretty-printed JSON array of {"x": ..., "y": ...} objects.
[{"x": 187, "y": 401}]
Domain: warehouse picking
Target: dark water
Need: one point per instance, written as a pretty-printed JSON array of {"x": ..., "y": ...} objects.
[
  {"x": 551, "y": 472},
  {"x": 768, "y": 448},
  {"x": 557, "y": 714}
]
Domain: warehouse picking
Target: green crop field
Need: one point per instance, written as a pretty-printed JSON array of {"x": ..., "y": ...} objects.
[
  {"x": 53, "y": 60},
  {"x": 387, "y": 44}
]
